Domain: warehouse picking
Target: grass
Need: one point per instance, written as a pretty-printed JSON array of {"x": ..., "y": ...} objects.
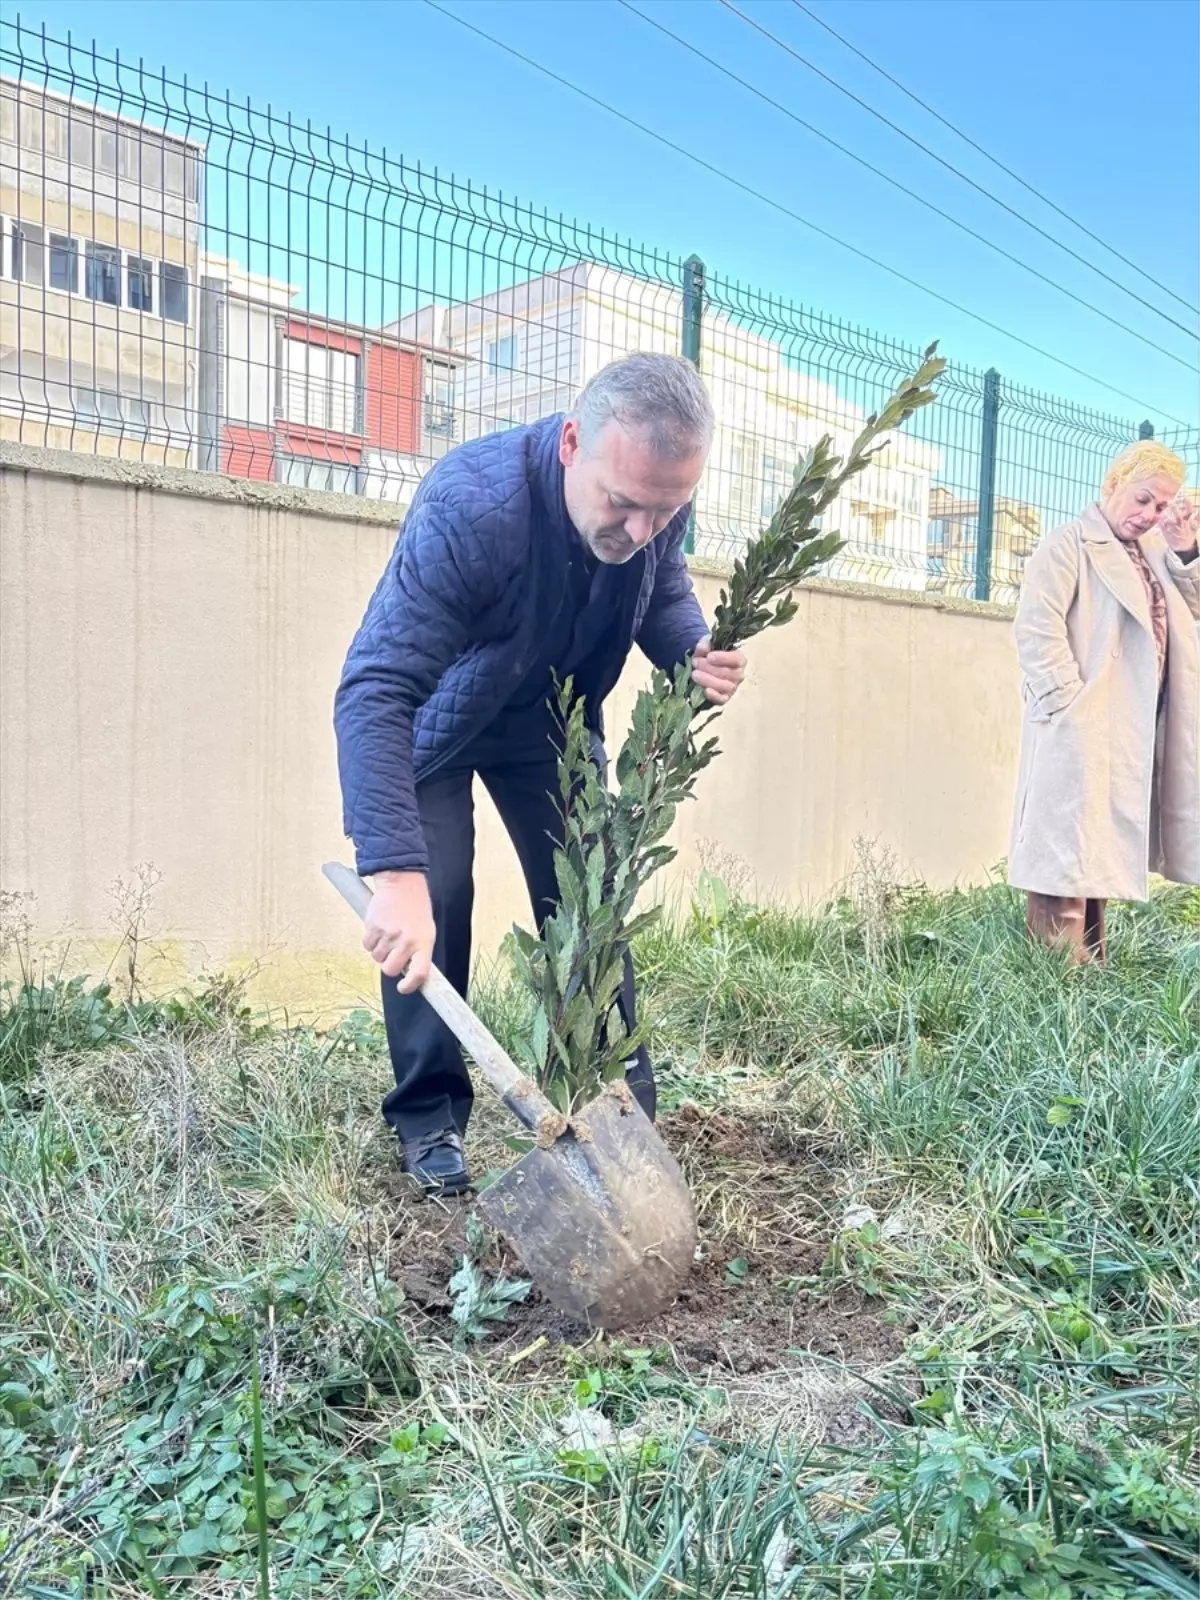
[{"x": 942, "y": 1341}]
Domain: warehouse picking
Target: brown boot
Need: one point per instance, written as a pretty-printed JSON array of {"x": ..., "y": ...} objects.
[{"x": 1070, "y": 922}]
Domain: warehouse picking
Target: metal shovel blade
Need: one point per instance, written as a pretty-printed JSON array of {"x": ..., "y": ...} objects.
[
  {"x": 598, "y": 1213},
  {"x": 601, "y": 1218}
]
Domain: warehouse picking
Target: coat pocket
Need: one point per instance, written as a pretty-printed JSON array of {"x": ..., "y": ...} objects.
[{"x": 1049, "y": 707}]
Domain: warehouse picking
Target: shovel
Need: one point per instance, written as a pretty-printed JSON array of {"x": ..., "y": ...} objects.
[{"x": 598, "y": 1212}]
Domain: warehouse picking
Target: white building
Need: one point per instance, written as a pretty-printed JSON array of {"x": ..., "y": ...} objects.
[
  {"x": 99, "y": 247},
  {"x": 533, "y": 346}
]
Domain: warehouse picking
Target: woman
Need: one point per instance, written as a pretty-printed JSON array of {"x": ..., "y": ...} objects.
[{"x": 1109, "y": 784}]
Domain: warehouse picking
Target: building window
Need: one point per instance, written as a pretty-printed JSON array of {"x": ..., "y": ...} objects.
[
  {"x": 141, "y": 283},
  {"x": 110, "y": 412},
  {"x": 64, "y": 263},
  {"x": 439, "y": 400},
  {"x": 152, "y": 164},
  {"x": 180, "y": 172},
  {"x": 106, "y": 149},
  {"x": 744, "y": 478},
  {"x": 502, "y": 355},
  {"x": 777, "y": 481},
  {"x": 82, "y": 153},
  {"x": 31, "y": 126},
  {"x": 102, "y": 273},
  {"x": 304, "y": 472},
  {"x": 174, "y": 292},
  {"x": 320, "y": 386},
  {"x": 173, "y": 171},
  {"x": 55, "y": 134},
  {"x": 28, "y": 254},
  {"x": 42, "y": 129},
  {"x": 140, "y": 157},
  {"x": 130, "y": 157}
]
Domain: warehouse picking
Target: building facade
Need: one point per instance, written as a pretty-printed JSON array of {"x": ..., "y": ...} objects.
[
  {"x": 120, "y": 335},
  {"x": 99, "y": 253},
  {"x": 954, "y": 540},
  {"x": 533, "y": 346},
  {"x": 288, "y": 396}
]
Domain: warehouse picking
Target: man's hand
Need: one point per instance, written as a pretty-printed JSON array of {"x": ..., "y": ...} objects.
[
  {"x": 399, "y": 929},
  {"x": 718, "y": 672}
]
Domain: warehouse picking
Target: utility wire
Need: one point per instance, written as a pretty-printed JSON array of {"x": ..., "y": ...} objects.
[
  {"x": 950, "y": 167},
  {"x": 988, "y": 156},
  {"x": 795, "y": 216},
  {"x": 911, "y": 193}
]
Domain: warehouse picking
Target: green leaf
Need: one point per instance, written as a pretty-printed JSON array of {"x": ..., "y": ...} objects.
[
  {"x": 977, "y": 1488},
  {"x": 540, "y": 1037},
  {"x": 201, "y": 1540}
]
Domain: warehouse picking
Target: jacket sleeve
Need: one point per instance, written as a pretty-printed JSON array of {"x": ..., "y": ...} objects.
[
  {"x": 418, "y": 623},
  {"x": 1048, "y": 587},
  {"x": 1186, "y": 574},
  {"x": 674, "y": 623}
]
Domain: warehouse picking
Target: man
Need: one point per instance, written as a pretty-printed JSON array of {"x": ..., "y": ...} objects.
[{"x": 526, "y": 557}]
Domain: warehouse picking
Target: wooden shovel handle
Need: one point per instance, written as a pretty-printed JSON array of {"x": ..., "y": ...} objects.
[{"x": 528, "y": 1103}]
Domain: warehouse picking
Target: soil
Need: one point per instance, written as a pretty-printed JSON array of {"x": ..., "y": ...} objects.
[{"x": 768, "y": 1210}]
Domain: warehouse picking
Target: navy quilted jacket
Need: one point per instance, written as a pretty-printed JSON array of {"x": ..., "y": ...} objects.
[{"x": 454, "y": 624}]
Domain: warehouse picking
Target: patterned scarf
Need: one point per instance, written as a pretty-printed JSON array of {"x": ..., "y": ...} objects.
[{"x": 1158, "y": 604}]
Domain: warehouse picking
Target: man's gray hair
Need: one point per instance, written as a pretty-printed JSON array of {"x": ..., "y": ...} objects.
[{"x": 659, "y": 398}]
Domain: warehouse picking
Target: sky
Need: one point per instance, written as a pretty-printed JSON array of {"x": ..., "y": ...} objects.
[{"x": 1093, "y": 102}]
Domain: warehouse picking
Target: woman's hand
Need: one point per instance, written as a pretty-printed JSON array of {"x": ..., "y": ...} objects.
[{"x": 1178, "y": 525}]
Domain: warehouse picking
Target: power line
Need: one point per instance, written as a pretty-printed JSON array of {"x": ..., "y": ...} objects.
[
  {"x": 911, "y": 193},
  {"x": 795, "y": 216},
  {"x": 995, "y": 160},
  {"x": 949, "y": 165}
]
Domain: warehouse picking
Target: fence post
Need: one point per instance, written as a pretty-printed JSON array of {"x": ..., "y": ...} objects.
[
  {"x": 689, "y": 340},
  {"x": 1146, "y": 431},
  {"x": 989, "y": 427},
  {"x": 210, "y": 387}
]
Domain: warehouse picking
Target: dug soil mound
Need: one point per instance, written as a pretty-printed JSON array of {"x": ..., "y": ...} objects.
[{"x": 756, "y": 1302}]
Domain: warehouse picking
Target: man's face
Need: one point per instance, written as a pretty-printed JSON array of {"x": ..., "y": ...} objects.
[{"x": 621, "y": 495}]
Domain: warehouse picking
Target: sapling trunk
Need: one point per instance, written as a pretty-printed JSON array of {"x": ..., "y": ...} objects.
[{"x": 615, "y": 838}]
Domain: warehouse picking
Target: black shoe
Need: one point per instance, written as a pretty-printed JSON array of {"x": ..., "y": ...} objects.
[{"x": 436, "y": 1161}]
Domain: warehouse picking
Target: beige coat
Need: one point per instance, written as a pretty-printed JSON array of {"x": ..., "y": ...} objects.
[{"x": 1108, "y": 789}]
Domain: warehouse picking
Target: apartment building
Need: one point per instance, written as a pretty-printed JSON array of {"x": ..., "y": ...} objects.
[
  {"x": 953, "y": 542},
  {"x": 120, "y": 335},
  {"x": 288, "y": 396},
  {"x": 99, "y": 254},
  {"x": 533, "y": 346}
]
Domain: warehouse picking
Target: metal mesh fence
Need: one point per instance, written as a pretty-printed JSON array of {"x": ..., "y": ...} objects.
[{"x": 188, "y": 281}]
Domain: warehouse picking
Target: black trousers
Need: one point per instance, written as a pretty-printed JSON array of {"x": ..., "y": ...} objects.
[{"x": 433, "y": 1088}]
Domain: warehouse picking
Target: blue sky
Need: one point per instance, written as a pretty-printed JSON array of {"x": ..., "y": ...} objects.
[{"x": 1093, "y": 101}]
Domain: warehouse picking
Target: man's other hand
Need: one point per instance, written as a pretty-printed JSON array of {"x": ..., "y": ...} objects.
[{"x": 718, "y": 672}]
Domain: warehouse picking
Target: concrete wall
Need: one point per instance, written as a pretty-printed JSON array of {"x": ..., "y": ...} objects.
[{"x": 170, "y": 646}]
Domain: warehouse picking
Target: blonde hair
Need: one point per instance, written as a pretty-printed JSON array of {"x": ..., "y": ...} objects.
[{"x": 1145, "y": 459}]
